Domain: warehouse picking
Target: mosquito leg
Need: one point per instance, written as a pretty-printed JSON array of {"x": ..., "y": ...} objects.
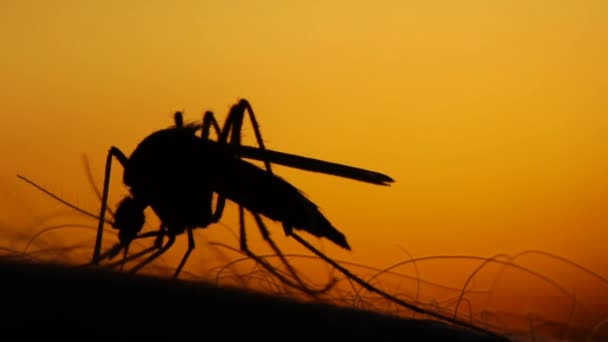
[
  {"x": 245, "y": 249},
  {"x": 190, "y": 248},
  {"x": 114, "y": 250},
  {"x": 208, "y": 122},
  {"x": 266, "y": 235},
  {"x": 158, "y": 243},
  {"x": 243, "y": 246},
  {"x": 129, "y": 258},
  {"x": 116, "y": 153},
  {"x": 158, "y": 253},
  {"x": 125, "y": 254},
  {"x": 242, "y": 107},
  {"x": 232, "y": 127},
  {"x": 256, "y": 128},
  {"x": 110, "y": 253},
  {"x": 234, "y": 124}
]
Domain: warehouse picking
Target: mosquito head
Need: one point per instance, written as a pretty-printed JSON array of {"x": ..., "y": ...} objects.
[{"x": 129, "y": 219}]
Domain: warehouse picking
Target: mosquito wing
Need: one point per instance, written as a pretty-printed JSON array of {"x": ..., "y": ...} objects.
[{"x": 311, "y": 164}]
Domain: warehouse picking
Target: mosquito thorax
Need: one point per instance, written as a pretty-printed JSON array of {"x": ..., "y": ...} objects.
[
  {"x": 129, "y": 218},
  {"x": 159, "y": 157}
]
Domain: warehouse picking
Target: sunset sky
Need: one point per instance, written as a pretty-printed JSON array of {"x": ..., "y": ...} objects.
[{"x": 490, "y": 115}]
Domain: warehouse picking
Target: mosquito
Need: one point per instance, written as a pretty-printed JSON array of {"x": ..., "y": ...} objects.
[{"x": 176, "y": 172}]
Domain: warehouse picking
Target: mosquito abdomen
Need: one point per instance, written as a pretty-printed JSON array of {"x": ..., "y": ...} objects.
[{"x": 260, "y": 191}]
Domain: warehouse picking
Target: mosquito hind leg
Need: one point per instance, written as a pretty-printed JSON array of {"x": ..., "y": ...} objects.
[
  {"x": 298, "y": 284},
  {"x": 232, "y": 128},
  {"x": 266, "y": 235},
  {"x": 234, "y": 124}
]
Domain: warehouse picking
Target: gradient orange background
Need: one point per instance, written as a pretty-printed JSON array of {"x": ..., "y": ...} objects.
[{"x": 490, "y": 116}]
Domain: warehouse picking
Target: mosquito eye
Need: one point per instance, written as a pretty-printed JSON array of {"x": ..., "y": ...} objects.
[{"x": 129, "y": 219}]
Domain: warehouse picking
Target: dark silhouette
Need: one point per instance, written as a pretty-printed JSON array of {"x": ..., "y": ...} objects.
[{"x": 176, "y": 172}]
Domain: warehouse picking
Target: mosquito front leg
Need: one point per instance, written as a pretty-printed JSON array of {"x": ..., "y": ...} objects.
[
  {"x": 110, "y": 253},
  {"x": 122, "y": 158},
  {"x": 232, "y": 127},
  {"x": 157, "y": 254}
]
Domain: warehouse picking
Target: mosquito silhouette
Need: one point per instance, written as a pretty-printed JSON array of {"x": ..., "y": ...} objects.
[{"x": 176, "y": 172}]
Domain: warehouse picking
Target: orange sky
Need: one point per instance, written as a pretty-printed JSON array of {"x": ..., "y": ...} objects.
[{"x": 491, "y": 116}]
